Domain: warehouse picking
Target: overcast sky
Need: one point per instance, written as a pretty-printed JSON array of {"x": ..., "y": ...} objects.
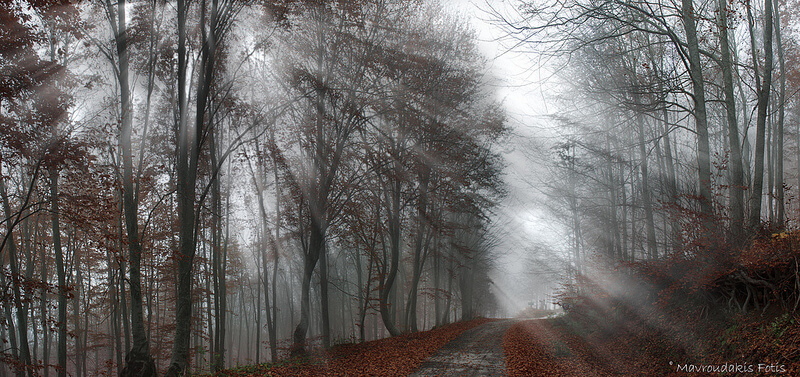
[{"x": 532, "y": 239}]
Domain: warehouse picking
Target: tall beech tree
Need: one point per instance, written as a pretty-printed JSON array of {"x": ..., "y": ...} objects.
[
  {"x": 333, "y": 68},
  {"x": 138, "y": 360},
  {"x": 736, "y": 192},
  {"x": 215, "y": 20},
  {"x": 699, "y": 111},
  {"x": 763, "y": 81}
]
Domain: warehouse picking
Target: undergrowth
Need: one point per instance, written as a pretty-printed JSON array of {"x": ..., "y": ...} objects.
[{"x": 712, "y": 307}]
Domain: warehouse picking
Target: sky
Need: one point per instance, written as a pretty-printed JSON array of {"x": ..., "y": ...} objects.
[{"x": 531, "y": 240}]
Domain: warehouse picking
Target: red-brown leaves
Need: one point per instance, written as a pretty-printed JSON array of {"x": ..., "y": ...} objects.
[
  {"x": 553, "y": 348},
  {"x": 720, "y": 306},
  {"x": 396, "y": 356}
]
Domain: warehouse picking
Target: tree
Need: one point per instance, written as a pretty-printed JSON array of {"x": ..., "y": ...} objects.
[
  {"x": 120, "y": 196},
  {"x": 763, "y": 92},
  {"x": 779, "y": 182},
  {"x": 700, "y": 114},
  {"x": 334, "y": 55},
  {"x": 34, "y": 101},
  {"x": 215, "y": 20},
  {"x": 736, "y": 190},
  {"x": 138, "y": 361}
]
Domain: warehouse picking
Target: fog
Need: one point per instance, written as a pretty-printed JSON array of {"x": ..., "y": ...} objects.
[{"x": 192, "y": 185}]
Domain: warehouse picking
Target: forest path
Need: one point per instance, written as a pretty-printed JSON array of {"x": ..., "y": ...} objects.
[{"x": 476, "y": 352}]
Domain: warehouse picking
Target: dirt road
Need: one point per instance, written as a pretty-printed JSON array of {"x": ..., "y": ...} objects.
[{"x": 476, "y": 352}]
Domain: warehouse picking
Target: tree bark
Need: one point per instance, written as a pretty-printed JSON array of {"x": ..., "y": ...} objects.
[
  {"x": 420, "y": 246},
  {"x": 316, "y": 240},
  {"x": 217, "y": 260},
  {"x": 21, "y": 314},
  {"x": 672, "y": 184},
  {"x": 736, "y": 185},
  {"x": 189, "y": 146},
  {"x": 763, "y": 88},
  {"x": 138, "y": 362},
  {"x": 323, "y": 295},
  {"x": 393, "y": 193},
  {"x": 652, "y": 249},
  {"x": 779, "y": 182},
  {"x": 437, "y": 302},
  {"x": 12, "y": 331},
  {"x": 44, "y": 320},
  {"x": 700, "y": 115},
  {"x": 273, "y": 325},
  {"x": 76, "y": 313}
]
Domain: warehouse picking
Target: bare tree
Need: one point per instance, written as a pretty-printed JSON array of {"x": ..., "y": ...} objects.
[{"x": 763, "y": 84}]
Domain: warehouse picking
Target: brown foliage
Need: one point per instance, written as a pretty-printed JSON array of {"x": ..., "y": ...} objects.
[
  {"x": 716, "y": 307},
  {"x": 573, "y": 347},
  {"x": 395, "y": 356}
]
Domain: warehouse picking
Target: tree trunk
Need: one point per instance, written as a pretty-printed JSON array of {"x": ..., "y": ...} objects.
[
  {"x": 575, "y": 219},
  {"x": 189, "y": 146},
  {"x": 701, "y": 122},
  {"x": 273, "y": 326},
  {"x": 626, "y": 255},
  {"x": 652, "y": 250},
  {"x": 437, "y": 305},
  {"x": 218, "y": 261},
  {"x": 263, "y": 272},
  {"x": 419, "y": 244},
  {"x": 316, "y": 240},
  {"x": 4, "y": 369},
  {"x": 467, "y": 286},
  {"x": 138, "y": 362},
  {"x": 449, "y": 298},
  {"x": 770, "y": 143},
  {"x": 21, "y": 314},
  {"x": 323, "y": 290},
  {"x": 27, "y": 240},
  {"x": 45, "y": 324},
  {"x": 736, "y": 185},
  {"x": 394, "y": 245},
  {"x": 781, "y": 210},
  {"x": 115, "y": 281},
  {"x": 12, "y": 331},
  {"x": 270, "y": 319},
  {"x": 76, "y": 312},
  {"x": 616, "y": 248},
  {"x": 185, "y": 193},
  {"x": 763, "y": 88}
]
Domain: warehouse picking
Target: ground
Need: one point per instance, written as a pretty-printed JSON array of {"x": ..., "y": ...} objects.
[
  {"x": 560, "y": 346},
  {"x": 476, "y": 352},
  {"x": 552, "y": 348},
  {"x": 395, "y": 356},
  {"x": 539, "y": 347}
]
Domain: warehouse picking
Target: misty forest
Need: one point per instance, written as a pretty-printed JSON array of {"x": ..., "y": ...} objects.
[{"x": 388, "y": 187}]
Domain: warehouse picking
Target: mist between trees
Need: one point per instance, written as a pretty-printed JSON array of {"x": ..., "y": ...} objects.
[
  {"x": 676, "y": 169},
  {"x": 677, "y": 122},
  {"x": 676, "y": 172},
  {"x": 192, "y": 185}
]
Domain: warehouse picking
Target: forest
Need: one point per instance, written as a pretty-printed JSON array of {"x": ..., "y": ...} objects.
[
  {"x": 191, "y": 186},
  {"x": 675, "y": 172}
]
